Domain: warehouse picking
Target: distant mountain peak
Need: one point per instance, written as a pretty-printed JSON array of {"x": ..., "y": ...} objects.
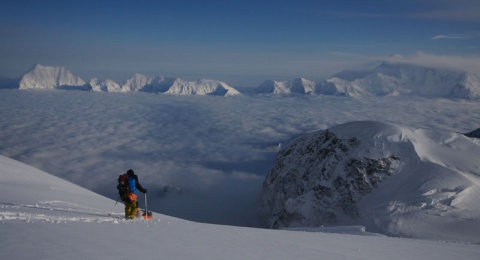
[
  {"x": 397, "y": 78},
  {"x": 297, "y": 86},
  {"x": 49, "y": 77}
]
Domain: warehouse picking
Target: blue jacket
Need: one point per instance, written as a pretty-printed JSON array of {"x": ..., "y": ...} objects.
[{"x": 133, "y": 184}]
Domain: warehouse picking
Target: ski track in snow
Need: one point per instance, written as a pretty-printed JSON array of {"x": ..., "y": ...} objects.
[{"x": 53, "y": 212}]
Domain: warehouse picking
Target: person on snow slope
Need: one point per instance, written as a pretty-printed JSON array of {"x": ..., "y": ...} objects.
[{"x": 131, "y": 202}]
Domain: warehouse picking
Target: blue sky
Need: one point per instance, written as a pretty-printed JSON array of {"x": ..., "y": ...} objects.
[{"x": 240, "y": 42}]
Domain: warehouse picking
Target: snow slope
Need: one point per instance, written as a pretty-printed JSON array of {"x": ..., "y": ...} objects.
[
  {"x": 392, "y": 179},
  {"x": 44, "y": 217}
]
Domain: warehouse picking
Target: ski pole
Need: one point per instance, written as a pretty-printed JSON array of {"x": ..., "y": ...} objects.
[
  {"x": 114, "y": 205},
  {"x": 110, "y": 214},
  {"x": 146, "y": 209}
]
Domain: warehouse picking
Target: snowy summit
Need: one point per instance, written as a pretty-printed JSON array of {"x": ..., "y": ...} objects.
[
  {"x": 49, "y": 77},
  {"x": 296, "y": 86},
  {"x": 391, "y": 179}
]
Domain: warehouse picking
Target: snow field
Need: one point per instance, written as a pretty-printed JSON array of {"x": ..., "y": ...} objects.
[{"x": 83, "y": 236}]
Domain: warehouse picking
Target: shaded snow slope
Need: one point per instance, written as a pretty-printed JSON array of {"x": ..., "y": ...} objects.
[
  {"x": 395, "y": 180},
  {"x": 29, "y": 194},
  {"x": 44, "y": 217}
]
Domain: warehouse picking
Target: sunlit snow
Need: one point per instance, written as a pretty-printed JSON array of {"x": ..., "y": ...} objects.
[{"x": 43, "y": 217}]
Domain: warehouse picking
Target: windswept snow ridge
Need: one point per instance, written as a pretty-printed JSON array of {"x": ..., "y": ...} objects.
[{"x": 392, "y": 179}]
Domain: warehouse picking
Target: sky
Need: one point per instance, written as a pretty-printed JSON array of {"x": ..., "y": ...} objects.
[{"x": 240, "y": 42}]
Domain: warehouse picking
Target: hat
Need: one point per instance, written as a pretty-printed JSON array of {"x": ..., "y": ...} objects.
[{"x": 130, "y": 172}]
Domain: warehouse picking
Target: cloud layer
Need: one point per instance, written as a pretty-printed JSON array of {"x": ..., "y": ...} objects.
[
  {"x": 459, "y": 63},
  {"x": 212, "y": 152}
]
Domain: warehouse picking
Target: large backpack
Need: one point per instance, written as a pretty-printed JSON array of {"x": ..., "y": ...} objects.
[{"x": 124, "y": 189}]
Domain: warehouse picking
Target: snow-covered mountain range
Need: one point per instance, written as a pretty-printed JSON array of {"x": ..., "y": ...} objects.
[
  {"x": 384, "y": 80},
  {"x": 397, "y": 79},
  {"x": 387, "y": 79},
  {"x": 47, "y": 77},
  {"x": 392, "y": 179}
]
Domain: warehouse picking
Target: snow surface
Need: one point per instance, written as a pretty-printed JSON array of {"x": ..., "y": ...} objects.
[{"x": 44, "y": 217}]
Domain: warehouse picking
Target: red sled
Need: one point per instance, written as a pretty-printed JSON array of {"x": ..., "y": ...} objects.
[
  {"x": 141, "y": 214},
  {"x": 148, "y": 215}
]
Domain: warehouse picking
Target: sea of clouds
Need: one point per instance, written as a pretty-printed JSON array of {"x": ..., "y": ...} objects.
[{"x": 212, "y": 153}]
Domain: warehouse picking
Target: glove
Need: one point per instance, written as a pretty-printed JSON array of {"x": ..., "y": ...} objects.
[{"x": 145, "y": 191}]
